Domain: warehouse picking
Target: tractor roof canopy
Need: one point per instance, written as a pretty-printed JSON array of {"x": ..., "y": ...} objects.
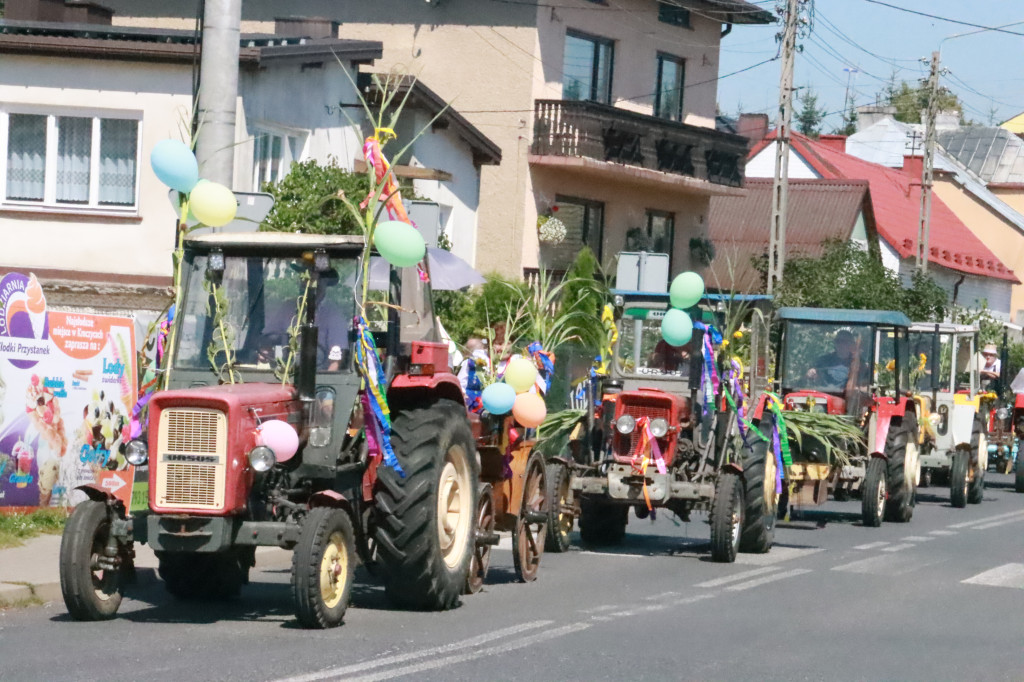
[
  {"x": 943, "y": 328},
  {"x": 887, "y": 318}
]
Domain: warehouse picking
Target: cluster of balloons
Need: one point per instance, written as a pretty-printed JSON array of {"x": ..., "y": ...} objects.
[
  {"x": 512, "y": 394},
  {"x": 211, "y": 203},
  {"x": 686, "y": 290},
  {"x": 400, "y": 243}
]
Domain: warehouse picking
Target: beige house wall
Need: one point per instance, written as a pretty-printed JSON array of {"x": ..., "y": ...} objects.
[
  {"x": 1013, "y": 197},
  {"x": 1000, "y": 236},
  {"x": 112, "y": 242}
]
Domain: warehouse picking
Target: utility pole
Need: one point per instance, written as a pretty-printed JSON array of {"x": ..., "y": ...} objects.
[
  {"x": 847, "y": 102},
  {"x": 218, "y": 90},
  {"x": 927, "y": 171},
  {"x": 780, "y": 188}
]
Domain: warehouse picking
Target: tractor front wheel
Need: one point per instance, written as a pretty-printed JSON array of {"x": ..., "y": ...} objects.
[
  {"x": 959, "y": 483},
  {"x": 485, "y": 521},
  {"x": 322, "y": 568},
  {"x": 427, "y": 516},
  {"x": 760, "y": 498},
  {"x": 979, "y": 449},
  {"x": 726, "y": 517},
  {"x": 89, "y": 582},
  {"x": 561, "y": 519},
  {"x": 873, "y": 493},
  {"x": 901, "y": 453}
]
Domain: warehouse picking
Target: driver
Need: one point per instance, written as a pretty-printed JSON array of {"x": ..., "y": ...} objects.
[
  {"x": 668, "y": 358},
  {"x": 833, "y": 369}
]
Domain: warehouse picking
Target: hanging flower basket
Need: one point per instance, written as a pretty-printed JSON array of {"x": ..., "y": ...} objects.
[{"x": 552, "y": 230}]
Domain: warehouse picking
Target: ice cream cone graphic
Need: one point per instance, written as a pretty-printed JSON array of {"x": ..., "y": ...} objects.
[{"x": 36, "y": 305}]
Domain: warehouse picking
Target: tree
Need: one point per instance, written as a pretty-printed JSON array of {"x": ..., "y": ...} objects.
[
  {"x": 808, "y": 120},
  {"x": 307, "y": 199},
  {"x": 910, "y": 100},
  {"x": 847, "y": 276}
]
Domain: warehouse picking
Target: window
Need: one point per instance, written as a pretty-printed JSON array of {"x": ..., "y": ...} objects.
[
  {"x": 661, "y": 228},
  {"x": 83, "y": 161},
  {"x": 273, "y": 152},
  {"x": 668, "y": 98},
  {"x": 670, "y": 13},
  {"x": 587, "y": 68},
  {"x": 584, "y": 226}
]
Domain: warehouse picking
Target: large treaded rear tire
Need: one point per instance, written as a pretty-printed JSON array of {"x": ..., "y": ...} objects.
[
  {"x": 602, "y": 523},
  {"x": 560, "y": 523},
  {"x": 425, "y": 553},
  {"x": 902, "y": 492},
  {"x": 760, "y": 501},
  {"x": 976, "y": 489},
  {"x": 88, "y": 594},
  {"x": 726, "y": 517},
  {"x": 322, "y": 566}
]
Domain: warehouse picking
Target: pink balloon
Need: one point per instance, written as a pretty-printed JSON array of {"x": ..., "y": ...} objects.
[
  {"x": 529, "y": 410},
  {"x": 280, "y": 437}
]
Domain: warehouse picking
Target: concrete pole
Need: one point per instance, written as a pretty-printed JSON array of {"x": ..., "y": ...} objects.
[
  {"x": 218, "y": 90},
  {"x": 927, "y": 167},
  {"x": 780, "y": 187}
]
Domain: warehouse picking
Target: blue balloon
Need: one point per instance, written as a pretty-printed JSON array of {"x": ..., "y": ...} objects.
[
  {"x": 175, "y": 165},
  {"x": 498, "y": 398}
]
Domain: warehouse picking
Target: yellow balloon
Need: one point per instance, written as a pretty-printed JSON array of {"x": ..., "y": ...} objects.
[
  {"x": 212, "y": 203},
  {"x": 520, "y": 374}
]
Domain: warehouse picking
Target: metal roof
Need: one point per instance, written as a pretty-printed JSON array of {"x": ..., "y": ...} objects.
[
  {"x": 819, "y": 210},
  {"x": 888, "y": 318},
  {"x": 993, "y": 154},
  {"x": 943, "y": 328},
  {"x": 730, "y": 11}
]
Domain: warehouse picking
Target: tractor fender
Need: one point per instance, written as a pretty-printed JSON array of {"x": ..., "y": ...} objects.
[
  {"x": 879, "y": 455},
  {"x": 94, "y": 492},
  {"x": 734, "y": 467},
  {"x": 329, "y": 498},
  {"x": 406, "y": 390}
]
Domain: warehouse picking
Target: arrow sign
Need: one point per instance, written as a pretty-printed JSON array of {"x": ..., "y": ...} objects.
[{"x": 113, "y": 484}]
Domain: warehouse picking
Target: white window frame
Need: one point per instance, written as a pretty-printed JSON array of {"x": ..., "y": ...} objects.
[
  {"x": 262, "y": 132},
  {"x": 49, "y": 204}
]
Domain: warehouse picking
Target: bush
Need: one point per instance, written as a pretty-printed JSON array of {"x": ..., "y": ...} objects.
[{"x": 307, "y": 199}]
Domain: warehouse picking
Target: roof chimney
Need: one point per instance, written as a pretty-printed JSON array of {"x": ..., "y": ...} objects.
[
  {"x": 834, "y": 142},
  {"x": 869, "y": 114},
  {"x": 34, "y": 10},
  {"x": 913, "y": 166},
  {"x": 306, "y": 27},
  {"x": 754, "y": 127}
]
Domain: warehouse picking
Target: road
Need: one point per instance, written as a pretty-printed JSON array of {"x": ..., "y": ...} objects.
[{"x": 940, "y": 598}]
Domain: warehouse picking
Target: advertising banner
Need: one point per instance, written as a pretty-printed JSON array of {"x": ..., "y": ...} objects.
[{"x": 67, "y": 389}]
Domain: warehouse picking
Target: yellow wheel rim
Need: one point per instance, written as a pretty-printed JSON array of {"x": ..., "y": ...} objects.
[
  {"x": 455, "y": 513},
  {"x": 334, "y": 571}
]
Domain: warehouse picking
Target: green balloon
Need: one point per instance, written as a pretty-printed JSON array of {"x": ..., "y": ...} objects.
[
  {"x": 676, "y": 327},
  {"x": 400, "y": 243},
  {"x": 686, "y": 290}
]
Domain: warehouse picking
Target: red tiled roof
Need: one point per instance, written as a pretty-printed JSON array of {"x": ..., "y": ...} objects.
[
  {"x": 818, "y": 210},
  {"x": 896, "y": 199}
]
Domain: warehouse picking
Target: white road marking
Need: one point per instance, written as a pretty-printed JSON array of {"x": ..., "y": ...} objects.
[
  {"x": 663, "y": 595},
  {"x": 872, "y": 545},
  {"x": 651, "y": 608},
  {"x": 598, "y": 609},
  {"x": 423, "y": 653},
  {"x": 777, "y": 555},
  {"x": 896, "y": 548},
  {"x": 735, "y": 577},
  {"x": 1007, "y": 575},
  {"x": 916, "y": 538},
  {"x": 887, "y": 564},
  {"x": 995, "y": 524},
  {"x": 768, "y": 579},
  {"x": 942, "y": 533},
  {"x": 481, "y": 653},
  {"x": 968, "y": 524}
]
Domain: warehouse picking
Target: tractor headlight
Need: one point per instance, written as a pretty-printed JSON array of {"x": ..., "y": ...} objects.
[
  {"x": 625, "y": 424},
  {"x": 136, "y": 452},
  {"x": 1002, "y": 413},
  {"x": 659, "y": 427},
  {"x": 262, "y": 458}
]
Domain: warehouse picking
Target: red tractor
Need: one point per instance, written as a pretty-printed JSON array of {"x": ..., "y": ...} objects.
[{"x": 256, "y": 310}]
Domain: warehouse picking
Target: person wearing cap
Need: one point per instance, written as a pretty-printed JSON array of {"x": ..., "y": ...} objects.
[{"x": 991, "y": 368}]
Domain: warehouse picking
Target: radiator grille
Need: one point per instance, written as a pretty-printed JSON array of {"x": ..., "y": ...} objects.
[
  {"x": 192, "y": 431},
  {"x": 192, "y": 484},
  {"x": 625, "y": 445}
]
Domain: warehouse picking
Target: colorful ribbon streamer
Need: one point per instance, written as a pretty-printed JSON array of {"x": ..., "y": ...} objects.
[
  {"x": 545, "y": 362},
  {"x": 374, "y": 400},
  {"x": 709, "y": 384}
]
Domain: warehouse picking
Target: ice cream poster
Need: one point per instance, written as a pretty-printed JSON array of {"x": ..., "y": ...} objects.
[{"x": 67, "y": 388}]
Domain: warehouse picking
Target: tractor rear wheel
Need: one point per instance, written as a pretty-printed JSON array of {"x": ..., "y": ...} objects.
[
  {"x": 426, "y": 518},
  {"x": 561, "y": 521},
  {"x": 901, "y": 453},
  {"x": 979, "y": 450},
  {"x": 874, "y": 491},
  {"x": 531, "y": 524},
  {"x": 760, "y": 499},
  {"x": 90, "y": 591},
  {"x": 322, "y": 567},
  {"x": 602, "y": 523},
  {"x": 726, "y": 517},
  {"x": 959, "y": 484}
]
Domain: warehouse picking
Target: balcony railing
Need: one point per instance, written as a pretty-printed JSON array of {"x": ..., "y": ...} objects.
[{"x": 599, "y": 131}]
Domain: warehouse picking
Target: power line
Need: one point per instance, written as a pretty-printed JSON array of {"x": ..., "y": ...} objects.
[
  {"x": 946, "y": 19},
  {"x": 832, "y": 28}
]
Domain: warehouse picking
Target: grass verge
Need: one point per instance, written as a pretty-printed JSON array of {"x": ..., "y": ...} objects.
[{"x": 17, "y": 527}]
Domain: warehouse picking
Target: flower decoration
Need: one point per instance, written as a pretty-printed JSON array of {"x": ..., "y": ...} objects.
[{"x": 552, "y": 230}]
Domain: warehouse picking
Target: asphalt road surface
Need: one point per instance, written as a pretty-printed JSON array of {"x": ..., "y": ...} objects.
[{"x": 940, "y": 598}]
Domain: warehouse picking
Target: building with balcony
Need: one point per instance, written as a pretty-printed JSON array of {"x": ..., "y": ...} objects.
[{"x": 604, "y": 110}]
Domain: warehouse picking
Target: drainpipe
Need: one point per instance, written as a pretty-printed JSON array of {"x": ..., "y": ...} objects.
[
  {"x": 728, "y": 27},
  {"x": 218, "y": 92},
  {"x": 956, "y": 292}
]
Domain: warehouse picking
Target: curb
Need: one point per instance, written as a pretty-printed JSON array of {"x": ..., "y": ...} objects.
[{"x": 28, "y": 595}]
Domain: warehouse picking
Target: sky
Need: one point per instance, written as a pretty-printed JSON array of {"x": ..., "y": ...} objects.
[{"x": 986, "y": 69}]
